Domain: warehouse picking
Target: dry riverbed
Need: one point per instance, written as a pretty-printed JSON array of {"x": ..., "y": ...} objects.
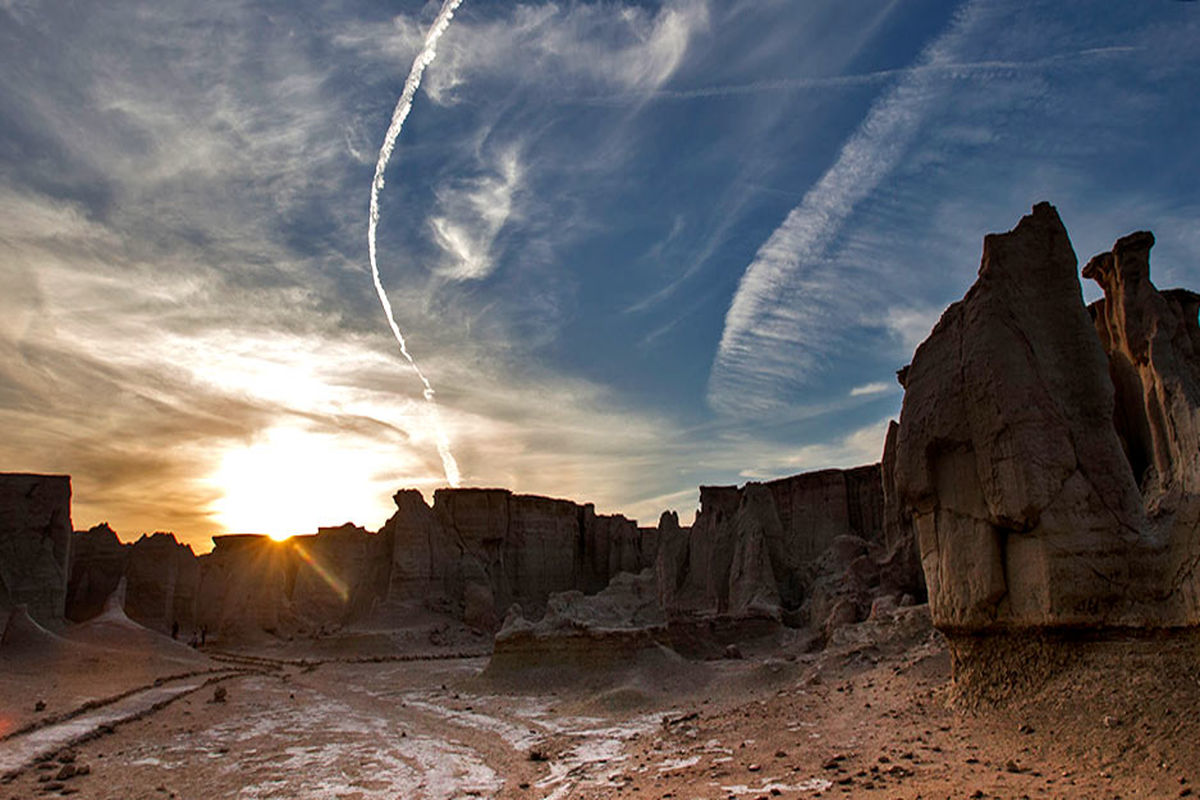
[{"x": 869, "y": 717}]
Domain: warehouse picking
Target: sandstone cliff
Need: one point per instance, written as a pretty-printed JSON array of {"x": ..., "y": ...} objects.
[
  {"x": 764, "y": 551},
  {"x": 477, "y": 551},
  {"x": 35, "y": 544},
  {"x": 1050, "y": 472}
]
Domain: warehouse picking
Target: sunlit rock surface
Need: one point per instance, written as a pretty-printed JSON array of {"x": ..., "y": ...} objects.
[
  {"x": 1050, "y": 472},
  {"x": 35, "y": 544}
]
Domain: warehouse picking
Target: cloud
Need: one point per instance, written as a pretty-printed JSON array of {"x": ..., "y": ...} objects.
[
  {"x": 471, "y": 211},
  {"x": 972, "y": 133},
  {"x": 782, "y": 300},
  {"x": 871, "y": 388},
  {"x": 624, "y": 46}
]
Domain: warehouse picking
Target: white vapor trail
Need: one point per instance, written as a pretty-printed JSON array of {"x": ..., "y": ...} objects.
[{"x": 399, "y": 115}]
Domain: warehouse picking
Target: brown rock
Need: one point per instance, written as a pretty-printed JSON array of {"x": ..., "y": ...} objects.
[
  {"x": 1046, "y": 470},
  {"x": 35, "y": 544}
]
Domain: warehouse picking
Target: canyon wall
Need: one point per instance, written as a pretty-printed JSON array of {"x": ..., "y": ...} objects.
[
  {"x": 477, "y": 551},
  {"x": 1046, "y": 454},
  {"x": 789, "y": 549},
  {"x": 35, "y": 544}
]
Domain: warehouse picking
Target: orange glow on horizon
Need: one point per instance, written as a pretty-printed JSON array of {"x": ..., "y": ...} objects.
[{"x": 292, "y": 481}]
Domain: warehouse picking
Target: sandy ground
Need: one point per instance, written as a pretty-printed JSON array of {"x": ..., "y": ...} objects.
[{"x": 872, "y": 716}]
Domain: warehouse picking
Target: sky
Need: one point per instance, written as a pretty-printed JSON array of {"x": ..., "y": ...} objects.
[{"x": 635, "y": 247}]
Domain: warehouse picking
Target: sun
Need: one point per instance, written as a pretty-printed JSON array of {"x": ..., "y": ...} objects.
[{"x": 290, "y": 482}]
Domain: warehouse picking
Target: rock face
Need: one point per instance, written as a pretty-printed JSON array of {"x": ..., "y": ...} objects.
[
  {"x": 751, "y": 551},
  {"x": 1049, "y": 472},
  {"x": 342, "y": 575},
  {"x": 162, "y": 578},
  {"x": 35, "y": 544},
  {"x": 98, "y": 560},
  {"x": 477, "y": 551}
]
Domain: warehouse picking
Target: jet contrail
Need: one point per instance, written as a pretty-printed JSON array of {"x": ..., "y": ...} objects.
[{"x": 403, "y": 106}]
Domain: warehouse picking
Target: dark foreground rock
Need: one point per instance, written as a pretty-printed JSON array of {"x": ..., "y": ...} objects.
[{"x": 35, "y": 544}]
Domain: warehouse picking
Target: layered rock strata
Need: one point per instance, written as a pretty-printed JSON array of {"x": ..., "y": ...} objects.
[
  {"x": 1048, "y": 460},
  {"x": 778, "y": 550},
  {"x": 35, "y": 544},
  {"x": 477, "y": 551}
]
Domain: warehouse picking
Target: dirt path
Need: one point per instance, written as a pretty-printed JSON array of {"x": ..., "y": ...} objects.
[{"x": 23, "y": 749}]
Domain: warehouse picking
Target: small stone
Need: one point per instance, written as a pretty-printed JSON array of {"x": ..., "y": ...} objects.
[
  {"x": 40, "y": 705},
  {"x": 220, "y": 694},
  {"x": 733, "y": 651},
  {"x": 754, "y": 767},
  {"x": 1111, "y": 721},
  {"x": 1027, "y": 729},
  {"x": 1012, "y": 766}
]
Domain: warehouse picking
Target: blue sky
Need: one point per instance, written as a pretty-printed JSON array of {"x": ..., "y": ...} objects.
[{"x": 636, "y": 247}]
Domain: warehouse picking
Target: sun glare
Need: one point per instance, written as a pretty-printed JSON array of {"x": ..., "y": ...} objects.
[{"x": 291, "y": 482}]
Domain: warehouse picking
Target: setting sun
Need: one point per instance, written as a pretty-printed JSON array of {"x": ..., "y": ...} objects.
[{"x": 290, "y": 482}]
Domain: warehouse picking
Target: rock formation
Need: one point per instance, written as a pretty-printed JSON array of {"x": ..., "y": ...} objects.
[
  {"x": 477, "y": 551},
  {"x": 1049, "y": 472},
  {"x": 584, "y": 632},
  {"x": 98, "y": 560},
  {"x": 342, "y": 575},
  {"x": 35, "y": 544},
  {"x": 759, "y": 551}
]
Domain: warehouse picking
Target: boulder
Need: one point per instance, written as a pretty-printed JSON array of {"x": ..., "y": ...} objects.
[{"x": 35, "y": 544}]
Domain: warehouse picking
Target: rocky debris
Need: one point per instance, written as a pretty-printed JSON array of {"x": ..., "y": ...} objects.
[
  {"x": 35, "y": 544},
  {"x": 1046, "y": 457},
  {"x": 581, "y": 630}
]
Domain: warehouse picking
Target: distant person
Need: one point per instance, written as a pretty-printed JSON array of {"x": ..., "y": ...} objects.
[
  {"x": 203, "y": 635},
  {"x": 195, "y": 640},
  {"x": 175, "y": 629}
]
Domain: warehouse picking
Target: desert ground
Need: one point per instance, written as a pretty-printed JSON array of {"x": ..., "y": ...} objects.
[{"x": 347, "y": 715}]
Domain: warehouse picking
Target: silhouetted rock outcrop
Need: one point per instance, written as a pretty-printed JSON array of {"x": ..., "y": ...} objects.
[
  {"x": 98, "y": 560},
  {"x": 1051, "y": 473},
  {"x": 35, "y": 544},
  {"x": 477, "y": 551}
]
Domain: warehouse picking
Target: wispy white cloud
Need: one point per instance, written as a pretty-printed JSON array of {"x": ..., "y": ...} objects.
[
  {"x": 603, "y": 46},
  {"x": 780, "y": 299},
  {"x": 470, "y": 214},
  {"x": 807, "y": 286},
  {"x": 879, "y": 387}
]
